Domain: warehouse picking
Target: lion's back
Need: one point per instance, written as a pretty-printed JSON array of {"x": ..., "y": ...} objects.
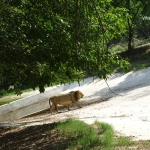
[{"x": 62, "y": 97}]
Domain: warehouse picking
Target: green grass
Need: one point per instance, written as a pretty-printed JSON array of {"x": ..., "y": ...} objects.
[
  {"x": 108, "y": 134},
  {"x": 85, "y": 137},
  {"x": 4, "y": 93},
  {"x": 5, "y": 102},
  {"x": 8, "y": 101},
  {"x": 118, "y": 48},
  {"x": 138, "y": 42},
  {"x": 137, "y": 62},
  {"x": 123, "y": 46},
  {"x": 123, "y": 141},
  {"x": 140, "y": 59}
]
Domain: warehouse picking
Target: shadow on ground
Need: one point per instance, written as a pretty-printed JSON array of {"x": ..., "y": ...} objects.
[{"x": 41, "y": 137}]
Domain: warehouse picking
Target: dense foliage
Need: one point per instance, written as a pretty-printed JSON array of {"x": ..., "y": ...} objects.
[
  {"x": 137, "y": 24},
  {"x": 57, "y": 41}
]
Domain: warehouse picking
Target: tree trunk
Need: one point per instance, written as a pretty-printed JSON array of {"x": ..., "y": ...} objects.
[{"x": 130, "y": 36}]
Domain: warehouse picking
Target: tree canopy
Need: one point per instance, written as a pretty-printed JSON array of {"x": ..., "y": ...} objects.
[
  {"x": 57, "y": 41},
  {"x": 137, "y": 9}
]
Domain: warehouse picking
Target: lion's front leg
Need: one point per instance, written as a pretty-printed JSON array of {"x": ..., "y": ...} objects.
[
  {"x": 77, "y": 104},
  {"x": 69, "y": 107}
]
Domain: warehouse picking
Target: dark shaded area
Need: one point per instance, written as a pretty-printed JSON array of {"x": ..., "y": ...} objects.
[
  {"x": 41, "y": 137},
  {"x": 135, "y": 51}
]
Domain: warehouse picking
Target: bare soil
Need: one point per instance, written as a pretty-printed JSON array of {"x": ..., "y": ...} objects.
[
  {"x": 46, "y": 137},
  {"x": 41, "y": 137}
]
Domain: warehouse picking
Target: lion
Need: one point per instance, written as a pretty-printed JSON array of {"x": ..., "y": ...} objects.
[{"x": 66, "y": 100}]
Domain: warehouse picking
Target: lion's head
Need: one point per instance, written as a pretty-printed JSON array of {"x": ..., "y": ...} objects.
[{"x": 78, "y": 94}]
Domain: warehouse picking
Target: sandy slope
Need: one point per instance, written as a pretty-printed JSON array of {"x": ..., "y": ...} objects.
[{"x": 128, "y": 112}]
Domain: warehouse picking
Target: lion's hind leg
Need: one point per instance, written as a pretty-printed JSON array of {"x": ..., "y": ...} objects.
[{"x": 51, "y": 108}]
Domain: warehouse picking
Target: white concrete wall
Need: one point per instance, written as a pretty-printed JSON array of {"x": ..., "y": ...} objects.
[{"x": 29, "y": 105}]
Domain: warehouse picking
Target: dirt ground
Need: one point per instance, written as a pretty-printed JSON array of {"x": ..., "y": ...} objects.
[
  {"x": 41, "y": 137},
  {"x": 46, "y": 137}
]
